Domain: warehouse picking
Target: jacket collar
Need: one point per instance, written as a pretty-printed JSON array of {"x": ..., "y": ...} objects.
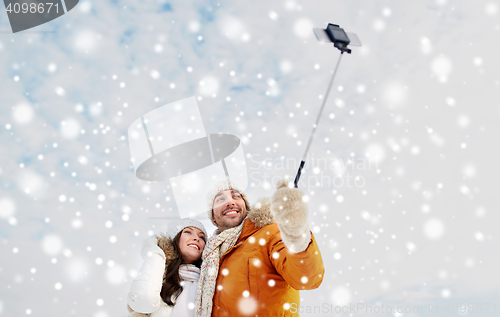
[{"x": 248, "y": 229}]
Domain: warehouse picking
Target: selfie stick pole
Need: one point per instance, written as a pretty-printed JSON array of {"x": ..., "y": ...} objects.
[{"x": 315, "y": 126}]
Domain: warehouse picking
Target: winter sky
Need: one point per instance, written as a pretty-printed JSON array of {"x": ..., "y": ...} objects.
[{"x": 401, "y": 177}]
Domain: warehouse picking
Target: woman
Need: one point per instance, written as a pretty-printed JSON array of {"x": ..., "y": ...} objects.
[{"x": 167, "y": 280}]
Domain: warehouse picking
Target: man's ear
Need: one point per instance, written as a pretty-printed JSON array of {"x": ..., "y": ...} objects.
[{"x": 213, "y": 218}]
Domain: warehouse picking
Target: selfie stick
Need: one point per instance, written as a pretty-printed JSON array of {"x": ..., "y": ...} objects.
[{"x": 336, "y": 35}]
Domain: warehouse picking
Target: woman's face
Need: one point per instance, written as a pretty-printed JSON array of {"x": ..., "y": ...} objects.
[{"x": 191, "y": 244}]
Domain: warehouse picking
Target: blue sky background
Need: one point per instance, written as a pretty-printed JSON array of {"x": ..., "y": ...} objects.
[{"x": 416, "y": 109}]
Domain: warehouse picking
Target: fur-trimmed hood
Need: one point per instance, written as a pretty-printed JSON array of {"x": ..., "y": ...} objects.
[
  {"x": 260, "y": 213},
  {"x": 165, "y": 243}
]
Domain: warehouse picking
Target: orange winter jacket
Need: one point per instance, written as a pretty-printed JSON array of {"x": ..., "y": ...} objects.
[{"x": 260, "y": 277}]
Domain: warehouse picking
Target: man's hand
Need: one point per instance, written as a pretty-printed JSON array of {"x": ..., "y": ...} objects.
[{"x": 290, "y": 212}]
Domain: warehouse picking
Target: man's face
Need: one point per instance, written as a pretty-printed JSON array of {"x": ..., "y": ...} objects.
[{"x": 229, "y": 209}]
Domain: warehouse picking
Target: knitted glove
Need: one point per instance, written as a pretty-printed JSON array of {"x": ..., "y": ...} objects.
[{"x": 290, "y": 213}]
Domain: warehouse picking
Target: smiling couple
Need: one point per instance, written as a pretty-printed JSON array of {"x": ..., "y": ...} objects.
[{"x": 254, "y": 264}]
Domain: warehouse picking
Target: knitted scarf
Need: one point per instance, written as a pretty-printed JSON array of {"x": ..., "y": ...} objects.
[
  {"x": 215, "y": 248},
  {"x": 190, "y": 275}
]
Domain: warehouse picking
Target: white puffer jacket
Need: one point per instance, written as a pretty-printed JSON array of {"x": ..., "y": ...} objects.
[{"x": 144, "y": 296}]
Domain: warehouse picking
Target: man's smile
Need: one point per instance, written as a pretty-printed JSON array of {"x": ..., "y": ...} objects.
[{"x": 230, "y": 212}]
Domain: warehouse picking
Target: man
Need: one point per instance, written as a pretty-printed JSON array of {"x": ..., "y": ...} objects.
[{"x": 259, "y": 258}]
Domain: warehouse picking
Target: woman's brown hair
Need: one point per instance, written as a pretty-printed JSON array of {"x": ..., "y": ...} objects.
[{"x": 171, "y": 278}]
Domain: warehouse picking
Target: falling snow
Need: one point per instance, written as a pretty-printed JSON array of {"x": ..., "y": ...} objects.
[{"x": 398, "y": 180}]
